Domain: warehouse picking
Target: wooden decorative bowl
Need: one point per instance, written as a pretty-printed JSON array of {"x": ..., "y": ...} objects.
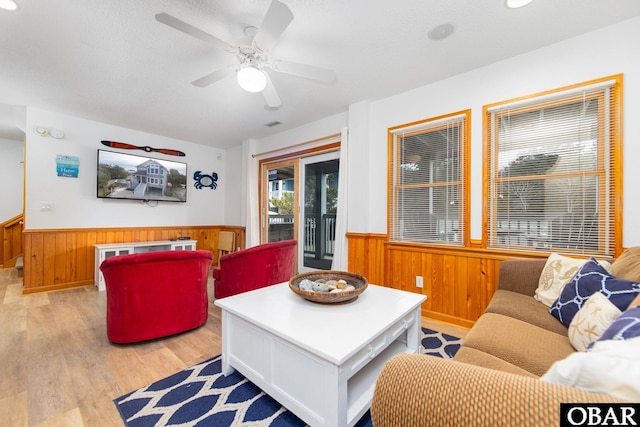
[{"x": 359, "y": 282}]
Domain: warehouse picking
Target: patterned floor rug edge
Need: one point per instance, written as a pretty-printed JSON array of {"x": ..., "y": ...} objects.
[{"x": 202, "y": 396}]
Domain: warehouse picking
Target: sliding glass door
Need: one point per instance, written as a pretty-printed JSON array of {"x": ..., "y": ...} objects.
[
  {"x": 279, "y": 200},
  {"x": 298, "y": 200},
  {"x": 319, "y": 196}
]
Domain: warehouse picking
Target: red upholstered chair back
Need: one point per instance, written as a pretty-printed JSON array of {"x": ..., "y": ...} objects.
[
  {"x": 254, "y": 268},
  {"x": 155, "y": 294}
]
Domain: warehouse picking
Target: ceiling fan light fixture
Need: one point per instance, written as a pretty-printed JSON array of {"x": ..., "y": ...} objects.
[
  {"x": 514, "y": 4},
  {"x": 251, "y": 79},
  {"x": 8, "y": 5}
]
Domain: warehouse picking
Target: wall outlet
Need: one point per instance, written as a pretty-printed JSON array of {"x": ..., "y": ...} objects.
[{"x": 419, "y": 282}]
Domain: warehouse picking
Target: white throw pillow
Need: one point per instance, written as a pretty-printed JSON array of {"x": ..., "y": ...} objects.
[
  {"x": 595, "y": 316},
  {"x": 611, "y": 367},
  {"x": 559, "y": 270}
]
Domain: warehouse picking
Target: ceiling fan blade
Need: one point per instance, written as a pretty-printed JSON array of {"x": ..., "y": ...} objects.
[
  {"x": 276, "y": 20},
  {"x": 189, "y": 29},
  {"x": 302, "y": 70},
  {"x": 270, "y": 95},
  {"x": 214, "y": 77}
]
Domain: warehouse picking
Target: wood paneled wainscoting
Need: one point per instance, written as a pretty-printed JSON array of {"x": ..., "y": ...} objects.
[
  {"x": 458, "y": 282},
  {"x": 65, "y": 258}
]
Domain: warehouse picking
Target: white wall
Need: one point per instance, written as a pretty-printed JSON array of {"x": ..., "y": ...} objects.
[
  {"x": 565, "y": 63},
  {"x": 11, "y": 180},
  {"x": 559, "y": 65},
  {"x": 309, "y": 132},
  {"x": 234, "y": 181},
  {"x": 74, "y": 201},
  {"x": 361, "y": 196}
]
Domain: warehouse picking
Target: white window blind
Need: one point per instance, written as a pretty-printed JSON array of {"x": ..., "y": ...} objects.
[
  {"x": 428, "y": 181},
  {"x": 552, "y": 171}
]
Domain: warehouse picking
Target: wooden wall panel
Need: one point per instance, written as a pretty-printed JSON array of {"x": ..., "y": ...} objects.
[
  {"x": 65, "y": 258},
  {"x": 458, "y": 282},
  {"x": 366, "y": 256}
]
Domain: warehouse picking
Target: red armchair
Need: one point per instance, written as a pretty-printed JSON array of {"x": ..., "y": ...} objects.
[
  {"x": 254, "y": 268},
  {"x": 155, "y": 294}
]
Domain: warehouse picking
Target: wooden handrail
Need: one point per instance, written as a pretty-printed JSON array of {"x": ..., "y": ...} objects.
[
  {"x": 12, "y": 241},
  {"x": 13, "y": 221}
]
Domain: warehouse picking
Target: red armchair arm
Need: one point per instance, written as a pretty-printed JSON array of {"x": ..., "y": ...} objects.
[{"x": 254, "y": 268}]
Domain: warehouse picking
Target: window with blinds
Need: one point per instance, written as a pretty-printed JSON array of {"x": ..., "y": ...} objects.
[
  {"x": 554, "y": 171},
  {"x": 428, "y": 176}
]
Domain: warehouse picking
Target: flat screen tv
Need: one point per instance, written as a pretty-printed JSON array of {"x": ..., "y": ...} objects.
[{"x": 138, "y": 177}]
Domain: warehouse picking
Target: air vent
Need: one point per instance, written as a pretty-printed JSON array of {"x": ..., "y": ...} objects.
[{"x": 272, "y": 124}]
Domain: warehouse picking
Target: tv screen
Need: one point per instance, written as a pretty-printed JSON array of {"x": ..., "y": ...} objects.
[{"x": 138, "y": 177}]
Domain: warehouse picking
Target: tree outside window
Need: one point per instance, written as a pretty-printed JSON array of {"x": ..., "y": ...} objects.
[{"x": 552, "y": 173}]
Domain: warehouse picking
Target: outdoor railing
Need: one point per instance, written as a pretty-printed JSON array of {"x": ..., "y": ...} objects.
[{"x": 320, "y": 243}]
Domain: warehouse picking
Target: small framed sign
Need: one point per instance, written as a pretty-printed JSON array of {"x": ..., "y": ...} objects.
[{"x": 67, "y": 165}]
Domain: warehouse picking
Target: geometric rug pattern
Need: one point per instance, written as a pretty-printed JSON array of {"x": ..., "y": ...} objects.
[{"x": 201, "y": 396}]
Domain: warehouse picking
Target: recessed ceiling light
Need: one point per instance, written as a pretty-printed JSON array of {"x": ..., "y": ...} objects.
[
  {"x": 514, "y": 4},
  {"x": 442, "y": 31},
  {"x": 8, "y": 5}
]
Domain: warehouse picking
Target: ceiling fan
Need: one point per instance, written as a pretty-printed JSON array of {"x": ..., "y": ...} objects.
[{"x": 254, "y": 60}]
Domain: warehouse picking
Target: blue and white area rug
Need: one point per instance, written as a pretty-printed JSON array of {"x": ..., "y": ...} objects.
[{"x": 201, "y": 396}]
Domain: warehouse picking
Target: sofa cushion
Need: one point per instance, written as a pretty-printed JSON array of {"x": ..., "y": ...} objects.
[
  {"x": 525, "y": 308},
  {"x": 611, "y": 367},
  {"x": 592, "y": 278},
  {"x": 480, "y": 358},
  {"x": 532, "y": 348},
  {"x": 627, "y": 265},
  {"x": 595, "y": 316},
  {"x": 520, "y": 275},
  {"x": 557, "y": 272}
]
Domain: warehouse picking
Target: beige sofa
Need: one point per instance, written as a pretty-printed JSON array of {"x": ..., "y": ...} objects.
[{"x": 493, "y": 379}]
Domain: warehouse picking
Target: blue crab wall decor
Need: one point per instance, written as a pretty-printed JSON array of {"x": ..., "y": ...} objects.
[{"x": 204, "y": 180}]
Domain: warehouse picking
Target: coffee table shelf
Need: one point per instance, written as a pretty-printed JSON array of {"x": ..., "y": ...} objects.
[{"x": 360, "y": 386}]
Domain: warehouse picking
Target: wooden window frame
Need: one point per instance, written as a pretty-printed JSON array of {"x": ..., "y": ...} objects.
[
  {"x": 464, "y": 183},
  {"x": 609, "y": 197}
]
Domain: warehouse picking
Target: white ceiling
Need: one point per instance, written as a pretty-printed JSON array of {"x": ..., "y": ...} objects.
[{"x": 112, "y": 62}]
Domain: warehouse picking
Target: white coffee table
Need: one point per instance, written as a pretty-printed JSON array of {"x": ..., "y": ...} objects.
[{"x": 319, "y": 361}]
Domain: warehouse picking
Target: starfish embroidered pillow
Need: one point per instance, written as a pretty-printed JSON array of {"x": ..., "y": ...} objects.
[
  {"x": 595, "y": 316},
  {"x": 557, "y": 272}
]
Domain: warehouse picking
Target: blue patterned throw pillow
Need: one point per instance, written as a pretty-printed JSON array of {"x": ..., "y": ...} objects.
[
  {"x": 626, "y": 326},
  {"x": 589, "y": 279}
]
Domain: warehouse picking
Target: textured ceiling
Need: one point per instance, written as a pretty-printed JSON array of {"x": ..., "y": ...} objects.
[{"x": 112, "y": 62}]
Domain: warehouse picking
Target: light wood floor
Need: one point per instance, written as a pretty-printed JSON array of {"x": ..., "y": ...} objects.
[{"x": 57, "y": 367}]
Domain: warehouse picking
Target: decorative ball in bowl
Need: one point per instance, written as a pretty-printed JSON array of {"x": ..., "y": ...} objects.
[{"x": 328, "y": 286}]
